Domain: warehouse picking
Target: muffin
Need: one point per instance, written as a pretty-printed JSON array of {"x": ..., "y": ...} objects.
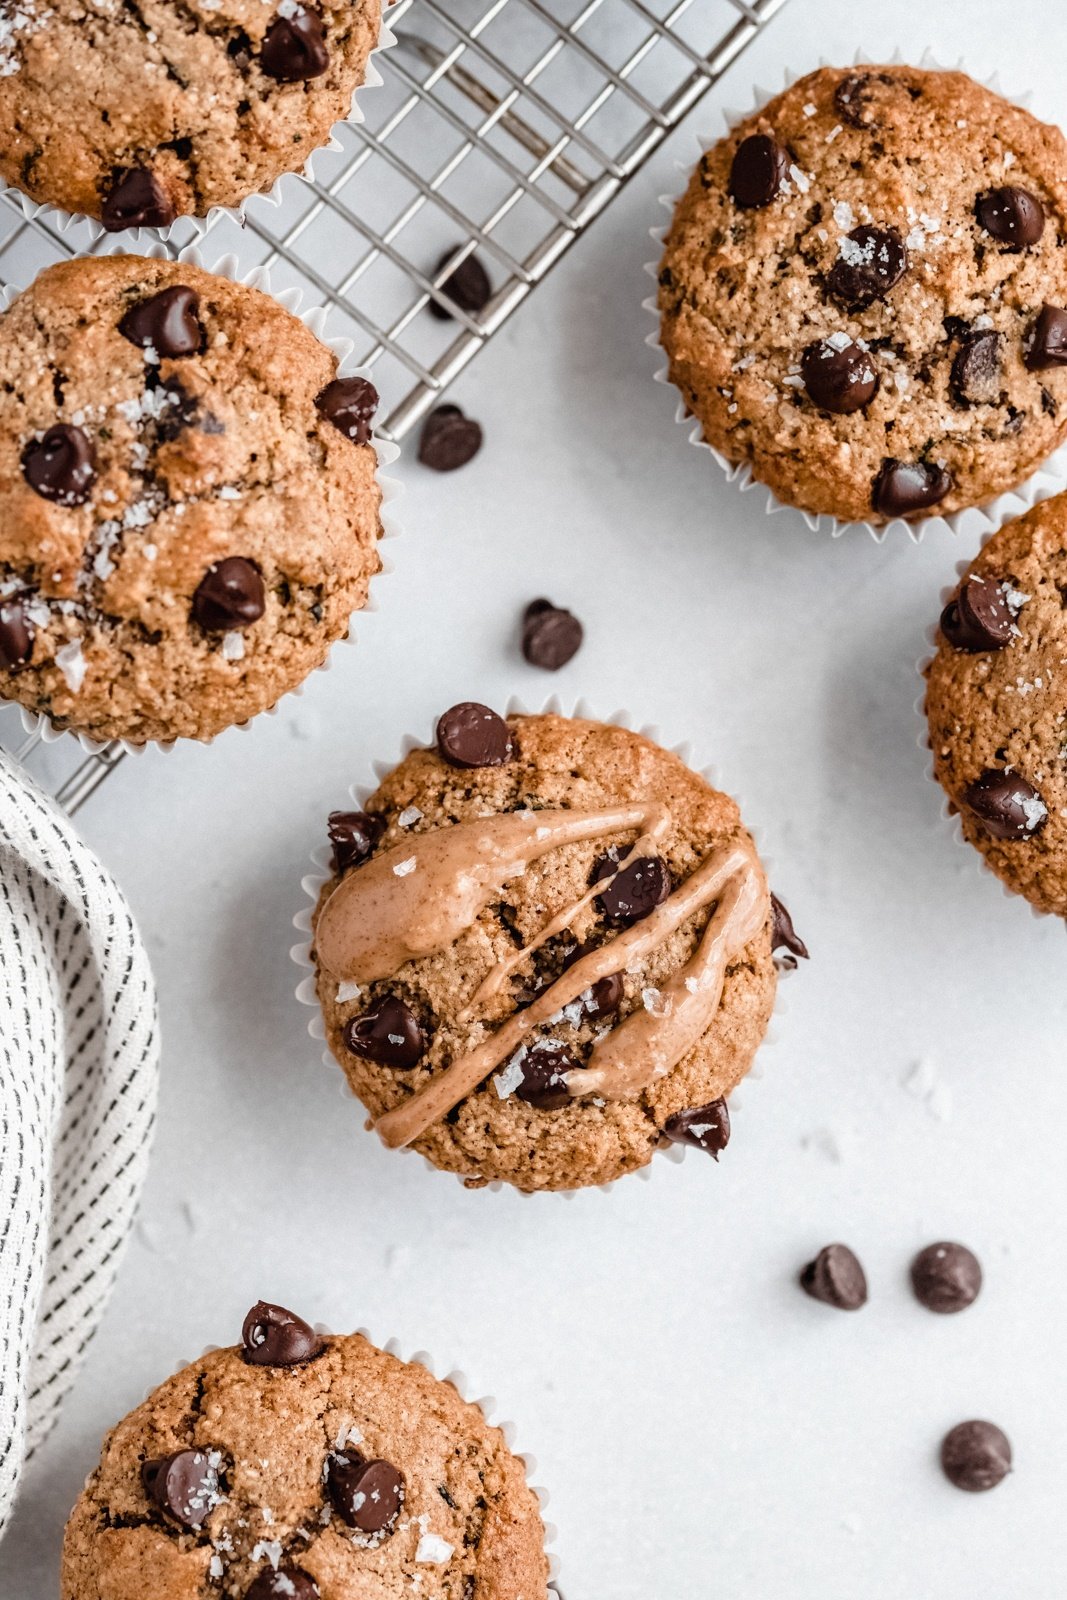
[
  {"x": 863, "y": 293},
  {"x": 137, "y": 115},
  {"x": 188, "y": 499},
  {"x": 303, "y": 1466},
  {"x": 996, "y": 700},
  {"x": 545, "y": 950}
]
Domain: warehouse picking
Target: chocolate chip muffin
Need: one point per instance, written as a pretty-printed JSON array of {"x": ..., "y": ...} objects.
[
  {"x": 140, "y": 114},
  {"x": 545, "y": 950},
  {"x": 996, "y": 699},
  {"x": 188, "y": 499},
  {"x": 310, "y": 1468},
  {"x": 864, "y": 293}
]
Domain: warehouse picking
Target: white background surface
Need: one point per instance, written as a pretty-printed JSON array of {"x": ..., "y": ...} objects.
[{"x": 705, "y": 1428}]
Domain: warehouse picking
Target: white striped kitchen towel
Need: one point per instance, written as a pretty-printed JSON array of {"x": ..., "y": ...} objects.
[{"x": 79, "y": 1060}]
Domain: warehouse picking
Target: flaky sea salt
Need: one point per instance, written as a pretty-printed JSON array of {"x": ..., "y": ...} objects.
[
  {"x": 408, "y": 817},
  {"x": 507, "y": 1081},
  {"x": 233, "y": 646},
  {"x": 402, "y": 868},
  {"x": 72, "y": 664},
  {"x": 346, "y": 991},
  {"x": 433, "y": 1550},
  {"x": 270, "y": 1549}
]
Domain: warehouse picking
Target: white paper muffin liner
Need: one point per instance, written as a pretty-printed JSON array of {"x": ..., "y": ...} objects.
[
  {"x": 1047, "y": 479},
  {"x": 140, "y": 238},
  {"x": 950, "y": 819},
  {"x": 322, "y": 872},
  {"x": 314, "y": 318}
]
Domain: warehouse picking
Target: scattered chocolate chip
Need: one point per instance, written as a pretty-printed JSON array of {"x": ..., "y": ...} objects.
[
  {"x": 137, "y": 199},
  {"x": 166, "y": 322},
  {"x": 229, "y": 595},
  {"x": 181, "y": 411},
  {"x": 368, "y": 1495},
  {"x": 637, "y": 890},
  {"x": 294, "y": 48},
  {"x": 449, "y": 439},
  {"x": 61, "y": 465},
  {"x": 287, "y": 1583},
  {"x": 976, "y": 370},
  {"x": 870, "y": 262},
  {"x": 852, "y": 95},
  {"x": 1047, "y": 344},
  {"x": 946, "y": 1277},
  {"x": 16, "y": 635},
  {"x": 274, "y": 1337},
  {"x": 976, "y": 1456},
  {"x": 350, "y": 404},
  {"x": 390, "y": 1034},
  {"x": 185, "y": 1485},
  {"x": 467, "y": 285},
  {"x": 979, "y": 617},
  {"x": 839, "y": 375},
  {"x": 544, "y": 1068},
  {"x": 605, "y": 997},
  {"x": 550, "y": 636},
  {"x": 705, "y": 1127},
  {"x": 836, "y": 1278},
  {"x": 470, "y": 735},
  {"x": 783, "y": 934},
  {"x": 903, "y": 488},
  {"x": 1006, "y": 805},
  {"x": 759, "y": 168},
  {"x": 353, "y": 835},
  {"x": 1012, "y": 216}
]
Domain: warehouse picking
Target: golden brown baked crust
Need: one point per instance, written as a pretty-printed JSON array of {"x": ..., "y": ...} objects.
[
  {"x": 198, "y": 459},
  {"x": 743, "y": 292}
]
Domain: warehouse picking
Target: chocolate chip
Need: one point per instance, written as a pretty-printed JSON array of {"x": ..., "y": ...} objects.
[
  {"x": 229, "y": 595},
  {"x": 979, "y": 618},
  {"x": 637, "y": 890},
  {"x": 350, "y": 404},
  {"x": 976, "y": 1456},
  {"x": 550, "y": 636},
  {"x": 470, "y": 735},
  {"x": 870, "y": 262},
  {"x": 836, "y": 1278},
  {"x": 166, "y": 322},
  {"x": 903, "y": 488},
  {"x": 137, "y": 199},
  {"x": 839, "y": 375},
  {"x": 705, "y": 1127},
  {"x": 294, "y": 48},
  {"x": 759, "y": 168},
  {"x": 390, "y": 1034},
  {"x": 180, "y": 412},
  {"x": 353, "y": 835},
  {"x": 16, "y": 635},
  {"x": 544, "y": 1068},
  {"x": 852, "y": 94},
  {"x": 287, "y": 1583},
  {"x": 1006, "y": 805},
  {"x": 783, "y": 934},
  {"x": 605, "y": 997},
  {"x": 61, "y": 465},
  {"x": 185, "y": 1485},
  {"x": 274, "y": 1337},
  {"x": 467, "y": 285},
  {"x": 976, "y": 370},
  {"x": 368, "y": 1495},
  {"x": 449, "y": 439},
  {"x": 1047, "y": 344},
  {"x": 1012, "y": 216},
  {"x": 946, "y": 1277}
]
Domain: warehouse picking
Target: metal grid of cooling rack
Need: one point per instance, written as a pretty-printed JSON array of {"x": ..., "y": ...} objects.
[{"x": 502, "y": 127}]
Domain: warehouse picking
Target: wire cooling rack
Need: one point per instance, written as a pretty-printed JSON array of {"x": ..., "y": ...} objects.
[{"x": 502, "y": 128}]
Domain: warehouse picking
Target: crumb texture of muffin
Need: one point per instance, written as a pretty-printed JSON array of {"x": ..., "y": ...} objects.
[
  {"x": 139, "y": 114},
  {"x": 556, "y": 1024},
  {"x": 863, "y": 293},
  {"x": 338, "y": 1472},
  {"x": 189, "y": 510},
  {"x": 996, "y": 703}
]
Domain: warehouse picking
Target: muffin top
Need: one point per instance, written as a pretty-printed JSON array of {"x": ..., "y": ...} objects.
[
  {"x": 188, "y": 499},
  {"x": 140, "y": 114},
  {"x": 545, "y": 949},
  {"x": 302, "y": 1467},
  {"x": 997, "y": 704},
  {"x": 864, "y": 293}
]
